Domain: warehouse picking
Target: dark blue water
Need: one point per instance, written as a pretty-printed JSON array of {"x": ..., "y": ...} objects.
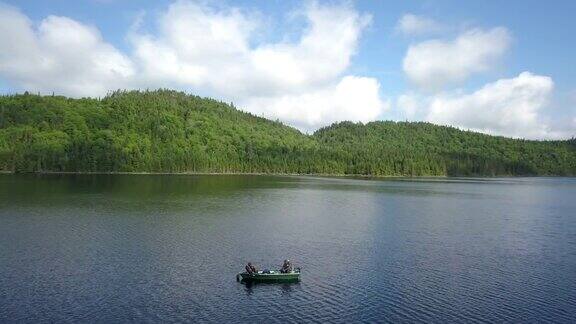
[{"x": 167, "y": 249}]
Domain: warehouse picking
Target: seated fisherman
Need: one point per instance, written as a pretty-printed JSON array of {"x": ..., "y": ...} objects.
[
  {"x": 286, "y": 267},
  {"x": 250, "y": 269}
]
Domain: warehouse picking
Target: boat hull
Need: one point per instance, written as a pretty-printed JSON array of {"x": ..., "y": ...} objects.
[{"x": 269, "y": 277}]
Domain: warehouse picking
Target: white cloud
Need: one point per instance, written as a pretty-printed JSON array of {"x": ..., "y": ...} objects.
[
  {"x": 520, "y": 107},
  {"x": 59, "y": 55},
  {"x": 352, "y": 98},
  {"x": 509, "y": 107},
  {"x": 203, "y": 49},
  {"x": 195, "y": 46},
  {"x": 413, "y": 25},
  {"x": 436, "y": 63},
  {"x": 409, "y": 105}
]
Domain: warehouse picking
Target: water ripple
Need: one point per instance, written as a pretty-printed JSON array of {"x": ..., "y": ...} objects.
[{"x": 426, "y": 251}]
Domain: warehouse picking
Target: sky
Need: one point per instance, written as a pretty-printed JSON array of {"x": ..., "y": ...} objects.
[{"x": 497, "y": 67}]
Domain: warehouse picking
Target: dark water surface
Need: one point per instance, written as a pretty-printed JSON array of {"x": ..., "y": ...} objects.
[{"x": 167, "y": 248}]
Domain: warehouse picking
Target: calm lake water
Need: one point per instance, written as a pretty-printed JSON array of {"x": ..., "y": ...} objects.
[{"x": 156, "y": 248}]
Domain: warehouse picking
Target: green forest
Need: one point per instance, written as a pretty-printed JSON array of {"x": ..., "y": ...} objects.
[{"x": 170, "y": 131}]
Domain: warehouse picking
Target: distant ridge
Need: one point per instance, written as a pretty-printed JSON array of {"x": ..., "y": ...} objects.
[{"x": 169, "y": 131}]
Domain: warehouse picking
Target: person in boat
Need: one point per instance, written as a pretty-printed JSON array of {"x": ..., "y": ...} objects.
[
  {"x": 286, "y": 267},
  {"x": 250, "y": 269}
]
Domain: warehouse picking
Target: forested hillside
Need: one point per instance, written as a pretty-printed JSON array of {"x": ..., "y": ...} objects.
[
  {"x": 418, "y": 148},
  {"x": 169, "y": 131}
]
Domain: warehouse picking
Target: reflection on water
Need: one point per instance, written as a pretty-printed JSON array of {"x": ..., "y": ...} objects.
[
  {"x": 118, "y": 248},
  {"x": 286, "y": 288}
]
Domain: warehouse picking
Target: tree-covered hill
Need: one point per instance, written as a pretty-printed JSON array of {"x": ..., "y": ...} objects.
[
  {"x": 159, "y": 131},
  {"x": 169, "y": 131},
  {"x": 418, "y": 148}
]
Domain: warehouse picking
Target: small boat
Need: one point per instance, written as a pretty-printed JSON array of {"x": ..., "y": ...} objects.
[{"x": 269, "y": 276}]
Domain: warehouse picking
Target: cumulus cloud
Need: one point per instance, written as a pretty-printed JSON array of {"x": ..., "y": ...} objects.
[
  {"x": 352, "y": 98},
  {"x": 508, "y": 107},
  {"x": 409, "y": 105},
  {"x": 206, "y": 50},
  {"x": 414, "y": 25},
  {"x": 433, "y": 64},
  {"x": 59, "y": 55}
]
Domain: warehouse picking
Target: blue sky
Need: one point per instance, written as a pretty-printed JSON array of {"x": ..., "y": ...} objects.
[{"x": 498, "y": 67}]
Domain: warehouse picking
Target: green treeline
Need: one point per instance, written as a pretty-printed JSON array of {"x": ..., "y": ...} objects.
[{"x": 169, "y": 131}]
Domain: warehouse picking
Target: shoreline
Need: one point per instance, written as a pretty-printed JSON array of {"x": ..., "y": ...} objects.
[
  {"x": 331, "y": 175},
  {"x": 211, "y": 173}
]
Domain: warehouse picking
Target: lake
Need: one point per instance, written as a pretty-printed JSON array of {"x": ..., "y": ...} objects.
[{"x": 167, "y": 248}]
